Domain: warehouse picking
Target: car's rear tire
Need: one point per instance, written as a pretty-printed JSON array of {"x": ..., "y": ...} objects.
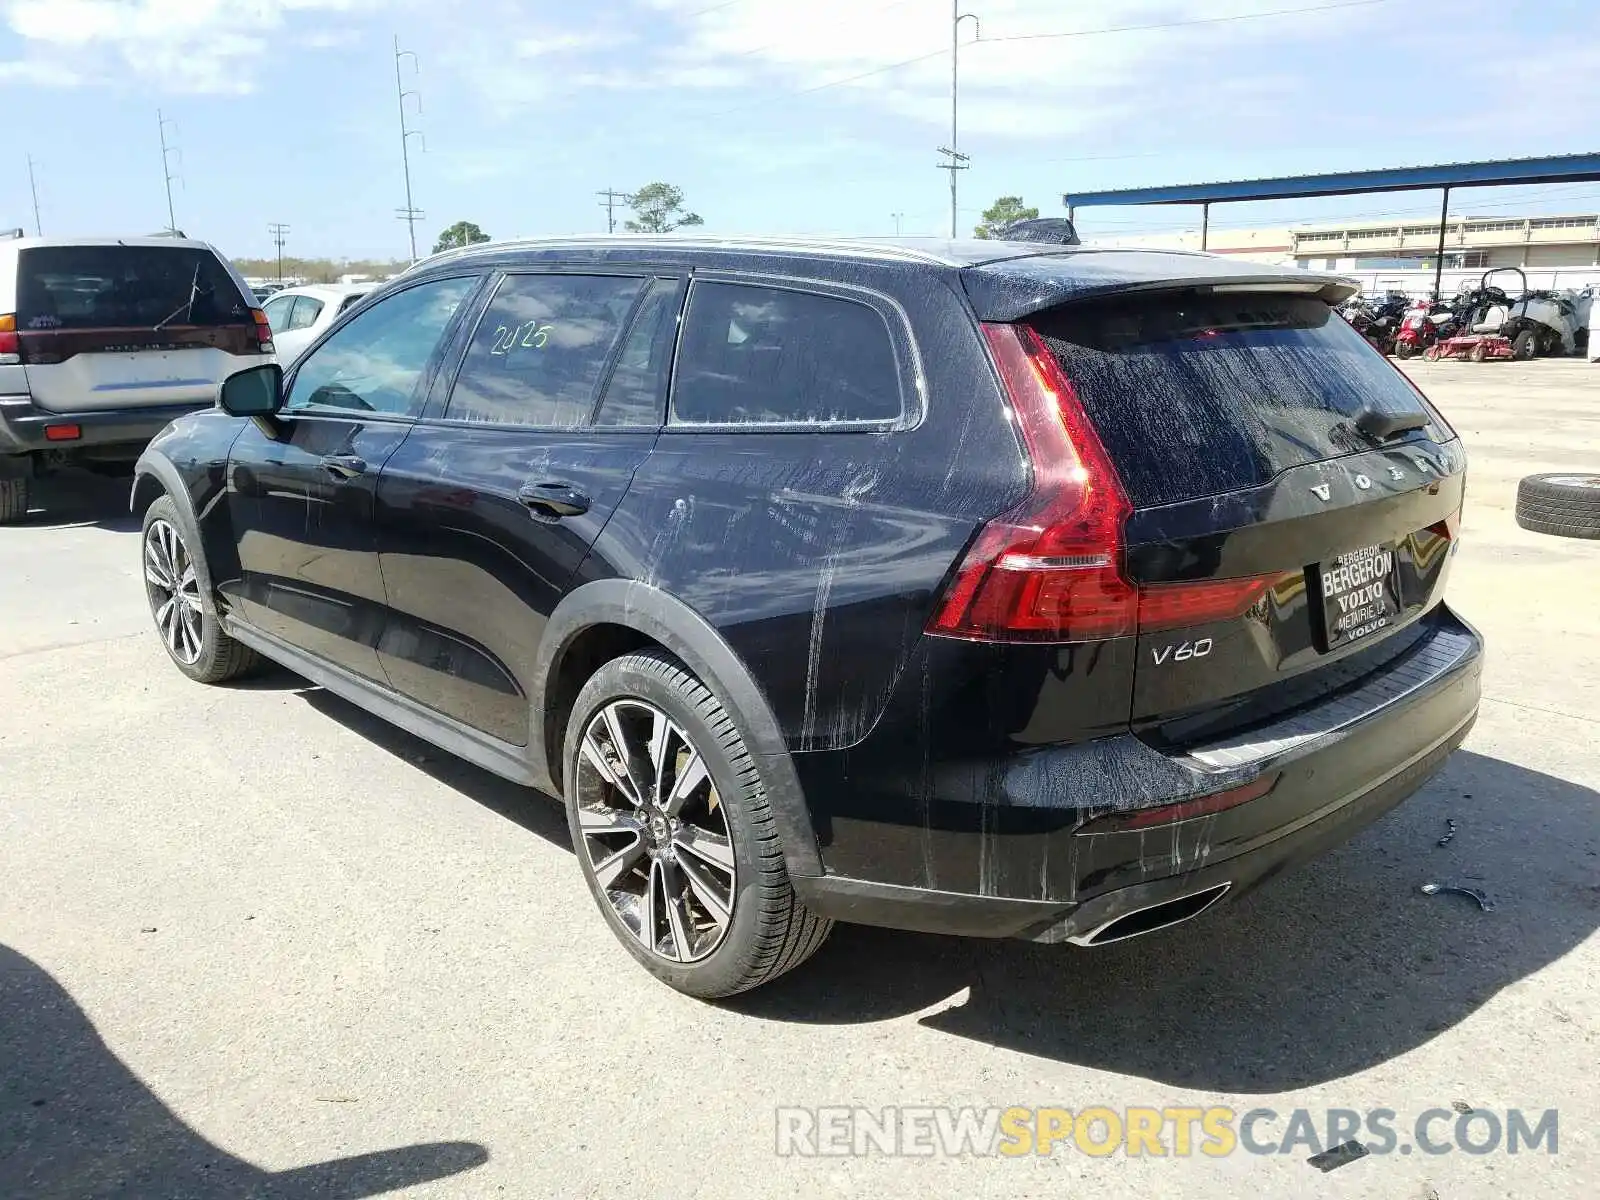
[
  {"x": 1564, "y": 503},
  {"x": 176, "y": 584},
  {"x": 678, "y": 847},
  {"x": 14, "y": 495}
]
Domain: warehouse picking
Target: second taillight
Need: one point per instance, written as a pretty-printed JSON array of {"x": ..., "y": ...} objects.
[{"x": 1051, "y": 569}]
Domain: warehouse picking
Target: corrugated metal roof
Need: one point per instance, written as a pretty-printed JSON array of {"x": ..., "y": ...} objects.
[{"x": 1566, "y": 168}]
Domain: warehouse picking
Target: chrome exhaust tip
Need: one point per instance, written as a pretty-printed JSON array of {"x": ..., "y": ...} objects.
[{"x": 1152, "y": 917}]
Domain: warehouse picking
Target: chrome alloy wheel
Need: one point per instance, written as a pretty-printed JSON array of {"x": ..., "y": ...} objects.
[
  {"x": 174, "y": 591},
  {"x": 654, "y": 831}
]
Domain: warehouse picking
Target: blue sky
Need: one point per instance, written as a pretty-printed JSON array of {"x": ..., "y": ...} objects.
[{"x": 772, "y": 115}]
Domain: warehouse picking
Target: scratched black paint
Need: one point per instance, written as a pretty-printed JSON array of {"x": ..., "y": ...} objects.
[{"x": 816, "y": 555}]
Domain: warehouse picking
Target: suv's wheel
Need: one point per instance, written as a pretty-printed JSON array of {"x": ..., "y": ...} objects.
[
  {"x": 13, "y": 500},
  {"x": 674, "y": 833},
  {"x": 185, "y": 615}
]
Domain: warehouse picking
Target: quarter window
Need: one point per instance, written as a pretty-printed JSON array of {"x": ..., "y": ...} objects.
[
  {"x": 540, "y": 348},
  {"x": 374, "y": 363},
  {"x": 765, "y": 355}
]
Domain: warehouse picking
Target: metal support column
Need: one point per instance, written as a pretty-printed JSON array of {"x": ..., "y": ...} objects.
[
  {"x": 1444, "y": 222},
  {"x": 1205, "y": 223}
]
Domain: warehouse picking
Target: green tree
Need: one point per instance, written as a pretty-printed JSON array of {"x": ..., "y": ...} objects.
[
  {"x": 1007, "y": 210},
  {"x": 658, "y": 208},
  {"x": 462, "y": 233}
]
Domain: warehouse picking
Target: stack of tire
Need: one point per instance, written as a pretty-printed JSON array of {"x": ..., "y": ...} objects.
[{"x": 1566, "y": 504}]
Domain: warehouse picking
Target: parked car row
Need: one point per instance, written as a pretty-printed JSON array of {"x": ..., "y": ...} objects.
[{"x": 990, "y": 589}]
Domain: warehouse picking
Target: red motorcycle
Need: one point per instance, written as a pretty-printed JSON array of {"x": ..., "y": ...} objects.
[{"x": 1425, "y": 323}]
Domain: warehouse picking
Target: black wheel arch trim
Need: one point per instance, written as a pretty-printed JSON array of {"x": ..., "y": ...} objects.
[
  {"x": 157, "y": 467},
  {"x": 685, "y": 633}
]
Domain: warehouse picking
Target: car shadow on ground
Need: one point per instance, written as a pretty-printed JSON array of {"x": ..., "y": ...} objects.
[
  {"x": 76, "y": 1122},
  {"x": 533, "y": 810},
  {"x": 72, "y": 497},
  {"x": 1328, "y": 971}
]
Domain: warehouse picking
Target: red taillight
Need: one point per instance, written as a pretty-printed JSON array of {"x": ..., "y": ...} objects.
[
  {"x": 9, "y": 344},
  {"x": 263, "y": 331},
  {"x": 1184, "y": 810},
  {"x": 62, "y": 433},
  {"x": 1051, "y": 568},
  {"x": 1176, "y": 605}
]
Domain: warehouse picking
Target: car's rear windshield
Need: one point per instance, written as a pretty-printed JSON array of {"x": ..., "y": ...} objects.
[
  {"x": 139, "y": 287},
  {"x": 1196, "y": 393}
]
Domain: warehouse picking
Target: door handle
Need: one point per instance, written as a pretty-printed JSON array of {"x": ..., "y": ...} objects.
[
  {"x": 343, "y": 466},
  {"x": 553, "y": 499}
]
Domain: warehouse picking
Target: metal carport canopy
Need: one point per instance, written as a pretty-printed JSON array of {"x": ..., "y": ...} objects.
[
  {"x": 1564, "y": 168},
  {"x": 1508, "y": 172}
]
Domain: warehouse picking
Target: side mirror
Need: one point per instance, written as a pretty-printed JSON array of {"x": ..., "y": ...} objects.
[{"x": 254, "y": 392}]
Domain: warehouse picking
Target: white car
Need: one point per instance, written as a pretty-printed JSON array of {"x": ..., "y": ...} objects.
[
  {"x": 298, "y": 315},
  {"x": 105, "y": 340}
]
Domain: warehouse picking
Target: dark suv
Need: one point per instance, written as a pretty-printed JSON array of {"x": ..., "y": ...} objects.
[{"x": 981, "y": 588}]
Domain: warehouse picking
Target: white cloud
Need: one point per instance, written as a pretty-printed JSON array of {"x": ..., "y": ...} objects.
[
  {"x": 185, "y": 45},
  {"x": 894, "y": 57}
]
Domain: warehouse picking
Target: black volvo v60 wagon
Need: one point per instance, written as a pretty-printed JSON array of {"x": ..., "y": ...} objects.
[{"x": 981, "y": 588}]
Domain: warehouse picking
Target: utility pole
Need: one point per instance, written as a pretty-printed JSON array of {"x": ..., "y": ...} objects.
[
  {"x": 34, "y": 188},
  {"x": 410, "y": 214},
  {"x": 278, "y": 230},
  {"x": 166, "y": 168},
  {"x": 897, "y": 219},
  {"x": 609, "y": 199},
  {"x": 957, "y": 160}
]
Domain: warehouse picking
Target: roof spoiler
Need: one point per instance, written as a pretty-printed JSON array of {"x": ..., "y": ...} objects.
[
  {"x": 1012, "y": 289},
  {"x": 1054, "y": 231}
]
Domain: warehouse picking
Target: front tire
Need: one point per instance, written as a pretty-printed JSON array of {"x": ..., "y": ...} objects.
[
  {"x": 181, "y": 604},
  {"x": 675, "y": 835},
  {"x": 1526, "y": 346}
]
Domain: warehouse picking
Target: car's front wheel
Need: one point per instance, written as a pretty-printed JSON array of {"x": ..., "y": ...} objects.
[
  {"x": 675, "y": 835},
  {"x": 184, "y": 613}
]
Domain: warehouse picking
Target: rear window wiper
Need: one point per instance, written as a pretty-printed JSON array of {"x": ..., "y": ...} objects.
[
  {"x": 186, "y": 309},
  {"x": 1383, "y": 424}
]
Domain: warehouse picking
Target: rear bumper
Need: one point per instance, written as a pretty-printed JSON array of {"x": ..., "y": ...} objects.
[
  {"x": 23, "y": 425},
  {"x": 1045, "y": 871}
]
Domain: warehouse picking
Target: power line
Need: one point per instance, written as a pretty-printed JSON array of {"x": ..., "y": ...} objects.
[
  {"x": 1276, "y": 12},
  {"x": 34, "y": 188},
  {"x": 166, "y": 167},
  {"x": 609, "y": 199},
  {"x": 278, "y": 230},
  {"x": 1076, "y": 33},
  {"x": 410, "y": 214}
]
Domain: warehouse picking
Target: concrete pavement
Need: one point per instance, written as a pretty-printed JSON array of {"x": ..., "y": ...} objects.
[{"x": 252, "y": 941}]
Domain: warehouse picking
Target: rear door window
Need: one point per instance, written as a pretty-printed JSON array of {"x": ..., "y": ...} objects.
[
  {"x": 754, "y": 355},
  {"x": 540, "y": 349},
  {"x": 306, "y": 311},
  {"x": 1196, "y": 394},
  {"x": 125, "y": 287},
  {"x": 638, "y": 383},
  {"x": 277, "y": 310}
]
